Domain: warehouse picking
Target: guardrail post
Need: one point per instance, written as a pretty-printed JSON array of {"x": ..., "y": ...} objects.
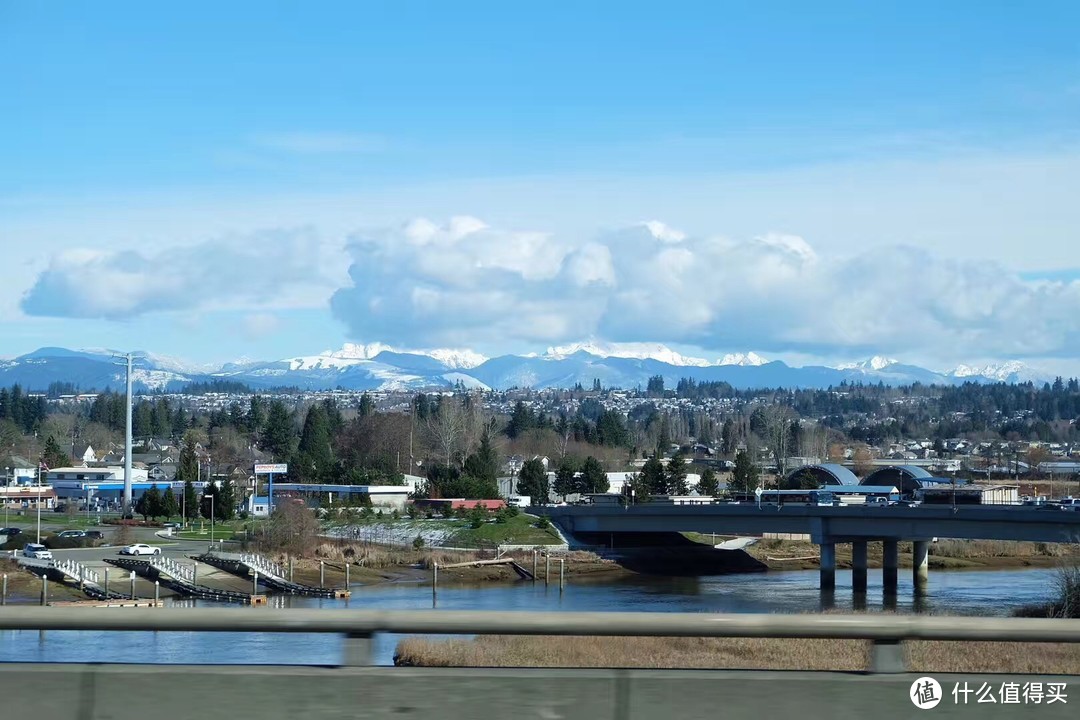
[
  {"x": 132, "y": 584},
  {"x": 434, "y": 583},
  {"x": 195, "y": 573},
  {"x": 358, "y": 650},
  {"x": 547, "y": 568},
  {"x": 887, "y": 656},
  {"x": 562, "y": 574},
  {"x": 44, "y": 590},
  {"x": 82, "y": 579},
  {"x": 255, "y": 583},
  {"x": 3, "y": 592},
  {"x": 346, "y": 576},
  {"x": 290, "y": 568},
  {"x": 106, "y": 582},
  {"x": 157, "y": 592},
  {"x": 322, "y": 574}
]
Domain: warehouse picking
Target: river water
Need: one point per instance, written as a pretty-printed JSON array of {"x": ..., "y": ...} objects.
[{"x": 995, "y": 592}]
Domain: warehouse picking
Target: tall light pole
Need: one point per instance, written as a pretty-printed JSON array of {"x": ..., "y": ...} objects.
[
  {"x": 211, "y": 519},
  {"x": 39, "y": 502},
  {"x": 127, "y": 445}
]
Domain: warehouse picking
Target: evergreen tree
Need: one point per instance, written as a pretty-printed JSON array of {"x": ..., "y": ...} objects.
[
  {"x": 227, "y": 497},
  {"x": 256, "y": 414},
  {"x": 565, "y": 482},
  {"x": 208, "y": 506},
  {"x": 533, "y": 481},
  {"x": 653, "y": 479},
  {"x": 53, "y": 455},
  {"x": 593, "y": 479},
  {"x": 675, "y": 474},
  {"x": 367, "y": 405},
  {"x": 522, "y": 419},
  {"x": 278, "y": 432},
  {"x": 744, "y": 479},
  {"x": 188, "y": 468},
  {"x": 169, "y": 506},
  {"x": 190, "y": 505},
  {"x": 484, "y": 463},
  {"x": 314, "y": 456},
  {"x": 709, "y": 484}
]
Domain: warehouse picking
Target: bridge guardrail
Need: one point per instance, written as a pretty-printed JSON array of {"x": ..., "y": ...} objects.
[{"x": 359, "y": 626}]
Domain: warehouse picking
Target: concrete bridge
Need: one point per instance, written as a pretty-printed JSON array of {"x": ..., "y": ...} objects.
[{"x": 827, "y": 526}]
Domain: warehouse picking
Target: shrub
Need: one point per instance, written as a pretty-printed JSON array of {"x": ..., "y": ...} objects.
[
  {"x": 543, "y": 523},
  {"x": 418, "y": 543}
]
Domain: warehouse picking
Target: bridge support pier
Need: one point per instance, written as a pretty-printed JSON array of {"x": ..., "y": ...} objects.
[
  {"x": 828, "y": 565},
  {"x": 920, "y": 565},
  {"x": 890, "y": 561},
  {"x": 858, "y": 567}
]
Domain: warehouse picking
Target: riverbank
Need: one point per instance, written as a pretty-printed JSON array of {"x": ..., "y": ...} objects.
[
  {"x": 369, "y": 565},
  {"x": 778, "y": 554},
  {"x": 733, "y": 653},
  {"x": 24, "y": 587}
]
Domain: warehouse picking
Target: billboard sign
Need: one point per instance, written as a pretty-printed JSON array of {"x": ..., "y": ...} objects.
[{"x": 268, "y": 469}]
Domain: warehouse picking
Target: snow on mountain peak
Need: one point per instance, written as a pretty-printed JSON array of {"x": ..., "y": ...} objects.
[
  {"x": 1003, "y": 372},
  {"x": 455, "y": 358},
  {"x": 878, "y": 362},
  {"x": 750, "y": 359},
  {"x": 633, "y": 351}
]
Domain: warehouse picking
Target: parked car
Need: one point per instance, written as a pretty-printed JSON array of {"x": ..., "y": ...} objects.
[
  {"x": 174, "y": 525},
  {"x": 72, "y": 534},
  {"x": 1069, "y": 503},
  {"x": 95, "y": 535},
  {"x": 140, "y": 549},
  {"x": 36, "y": 551},
  {"x": 10, "y": 532}
]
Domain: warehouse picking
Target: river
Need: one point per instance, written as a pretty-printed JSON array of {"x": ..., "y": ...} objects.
[{"x": 995, "y": 592}]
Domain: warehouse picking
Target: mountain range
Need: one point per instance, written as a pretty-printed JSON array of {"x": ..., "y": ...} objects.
[{"x": 380, "y": 367}]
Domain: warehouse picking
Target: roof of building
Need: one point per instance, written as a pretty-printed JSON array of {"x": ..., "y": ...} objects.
[{"x": 831, "y": 473}]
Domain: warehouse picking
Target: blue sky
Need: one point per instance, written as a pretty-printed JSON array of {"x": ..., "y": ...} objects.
[{"x": 246, "y": 146}]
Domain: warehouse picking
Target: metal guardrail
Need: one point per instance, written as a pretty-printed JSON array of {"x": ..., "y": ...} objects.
[{"x": 358, "y": 626}]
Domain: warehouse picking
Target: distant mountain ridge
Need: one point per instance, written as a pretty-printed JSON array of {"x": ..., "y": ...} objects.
[{"x": 380, "y": 367}]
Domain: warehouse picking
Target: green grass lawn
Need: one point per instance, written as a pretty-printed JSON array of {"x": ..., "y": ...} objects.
[{"x": 518, "y": 530}]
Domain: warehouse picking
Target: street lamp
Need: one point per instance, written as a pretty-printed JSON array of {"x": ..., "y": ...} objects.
[
  {"x": 211, "y": 519},
  {"x": 39, "y": 502}
]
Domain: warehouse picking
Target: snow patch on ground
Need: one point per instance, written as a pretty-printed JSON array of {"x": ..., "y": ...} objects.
[{"x": 402, "y": 532}]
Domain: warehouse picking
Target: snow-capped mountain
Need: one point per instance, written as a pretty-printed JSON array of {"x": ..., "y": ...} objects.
[
  {"x": 750, "y": 359},
  {"x": 1007, "y": 372},
  {"x": 876, "y": 363},
  {"x": 379, "y": 367},
  {"x": 634, "y": 351}
]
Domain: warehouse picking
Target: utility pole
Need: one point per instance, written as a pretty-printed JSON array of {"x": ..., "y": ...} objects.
[{"x": 126, "y": 505}]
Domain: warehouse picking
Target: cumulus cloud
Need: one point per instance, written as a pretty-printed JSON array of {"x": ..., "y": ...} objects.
[
  {"x": 275, "y": 268},
  {"x": 466, "y": 283}
]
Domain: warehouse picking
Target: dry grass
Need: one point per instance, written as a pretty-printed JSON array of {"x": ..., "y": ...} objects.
[
  {"x": 974, "y": 549},
  {"x": 732, "y": 653}
]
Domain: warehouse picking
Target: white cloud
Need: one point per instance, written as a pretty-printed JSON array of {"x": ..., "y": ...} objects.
[
  {"x": 272, "y": 268},
  {"x": 775, "y": 292},
  {"x": 257, "y": 325}
]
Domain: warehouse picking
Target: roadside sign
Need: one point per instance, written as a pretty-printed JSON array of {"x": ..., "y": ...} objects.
[{"x": 272, "y": 469}]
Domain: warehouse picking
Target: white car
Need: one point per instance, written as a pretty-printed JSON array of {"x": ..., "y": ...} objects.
[
  {"x": 36, "y": 551},
  {"x": 140, "y": 549}
]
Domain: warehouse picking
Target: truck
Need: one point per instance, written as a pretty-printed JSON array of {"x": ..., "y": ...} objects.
[{"x": 521, "y": 501}]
